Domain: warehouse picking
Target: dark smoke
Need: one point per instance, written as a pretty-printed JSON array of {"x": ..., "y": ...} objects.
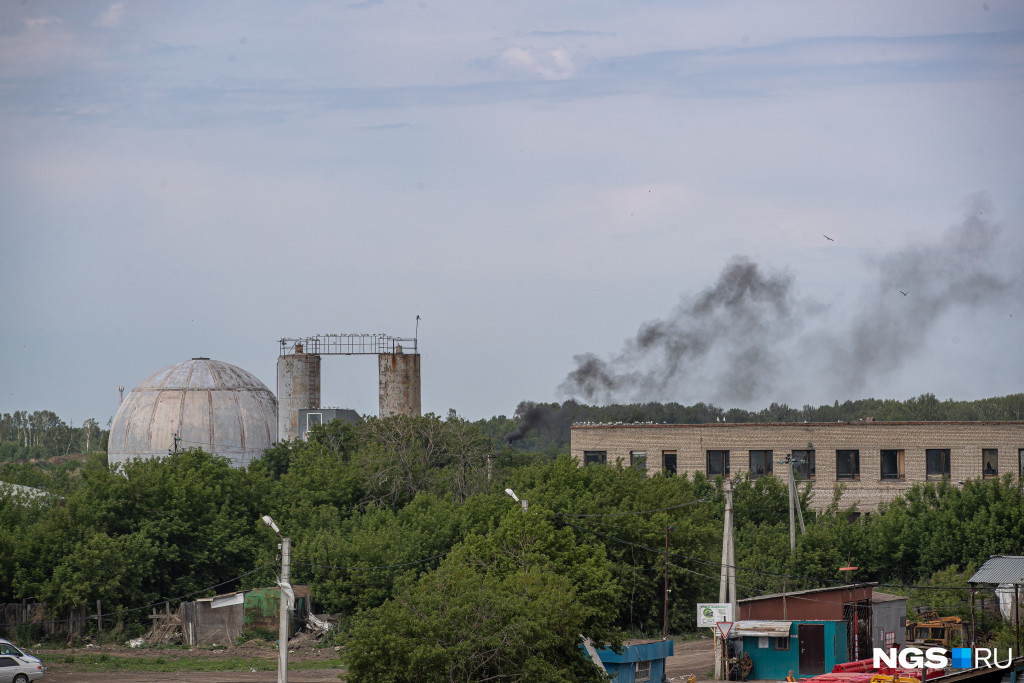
[
  {"x": 956, "y": 273},
  {"x": 737, "y": 323},
  {"x": 747, "y": 336},
  {"x": 537, "y": 416}
]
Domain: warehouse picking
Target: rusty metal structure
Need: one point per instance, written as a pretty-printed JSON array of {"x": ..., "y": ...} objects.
[{"x": 298, "y": 373}]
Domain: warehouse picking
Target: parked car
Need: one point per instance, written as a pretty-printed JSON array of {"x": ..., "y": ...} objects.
[{"x": 17, "y": 666}]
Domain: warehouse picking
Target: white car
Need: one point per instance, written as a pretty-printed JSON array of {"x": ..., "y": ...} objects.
[{"x": 17, "y": 666}]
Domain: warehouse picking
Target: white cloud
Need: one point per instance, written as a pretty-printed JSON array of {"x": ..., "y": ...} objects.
[
  {"x": 551, "y": 65},
  {"x": 112, "y": 16}
]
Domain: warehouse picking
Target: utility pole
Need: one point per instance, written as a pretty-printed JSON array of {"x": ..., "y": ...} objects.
[
  {"x": 282, "y": 631},
  {"x": 664, "y": 630},
  {"x": 285, "y": 590},
  {"x": 792, "y": 513},
  {"x": 727, "y": 577}
]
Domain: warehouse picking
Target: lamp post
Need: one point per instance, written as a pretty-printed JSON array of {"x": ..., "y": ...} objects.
[
  {"x": 282, "y": 630},
  {"x": 524, "y": 503}
]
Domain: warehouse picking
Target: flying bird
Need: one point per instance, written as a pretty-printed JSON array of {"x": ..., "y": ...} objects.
[
  {"x": 827, "y": 237},
  {"x": 903, "y": 293}
]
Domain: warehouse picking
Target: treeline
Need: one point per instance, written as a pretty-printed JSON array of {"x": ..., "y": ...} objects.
[
  {"x": 544, "y": 427},
  {"x": 42, "y": 434},
  {"x": 403, "y": 528}
]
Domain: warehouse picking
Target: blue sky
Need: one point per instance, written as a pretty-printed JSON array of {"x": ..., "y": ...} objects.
[{"x": 536, "y": 180}]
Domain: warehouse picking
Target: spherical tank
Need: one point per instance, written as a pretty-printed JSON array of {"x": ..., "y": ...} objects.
[{"x": 208, "y": 404}]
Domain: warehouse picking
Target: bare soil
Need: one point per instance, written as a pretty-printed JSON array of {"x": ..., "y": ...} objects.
[{"x": 694, "y": 657}]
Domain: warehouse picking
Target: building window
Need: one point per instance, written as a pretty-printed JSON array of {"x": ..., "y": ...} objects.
[
  {"x": 718, "y": 463},
  {"x": 760, "y": 463},
  {"x": 936, "y": 461},
  {"x": 1020, "y": 464},
  {"x": 638, "y": 460},
  {"x": 990, "y": 462},
  {"x": 643, "y": 672},
  {"x": 668, "y": 463},
  {"x": 847, "y": 464},
  {"x": 892, "y": 464},
  {"x": 594, "y": 457},
  {"x": 803, "y": 465},
  {"x": 781, "y": 644}
]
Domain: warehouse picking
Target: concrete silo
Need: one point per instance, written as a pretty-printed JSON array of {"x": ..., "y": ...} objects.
[
  {"x": 198, "y": 403},
  {"x": 399, "y": 375},
  {"x": 298, "y": 387}
]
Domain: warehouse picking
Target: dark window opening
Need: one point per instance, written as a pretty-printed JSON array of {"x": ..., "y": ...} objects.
[
  {"x": 990, "y": 462},
  {"x": 668, "y": 462},
  {"x": 782, "y": 644},
  {"x": 638, "y": 460},
  {"x": 892, "y": 464},
  {"x": 760, "y": 463},
  {"x": 594, "y": 457},
  {"x": 803, "y": 465},
  {"x": 718, "y": 463},
  {"x": 847, "y": 464},
  {"x": 936, "y": 462}
]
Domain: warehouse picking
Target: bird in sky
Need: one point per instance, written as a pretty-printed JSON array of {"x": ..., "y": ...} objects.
[
  {"x": 903, "y": 293},
  {"x": 827, "y": 237}
]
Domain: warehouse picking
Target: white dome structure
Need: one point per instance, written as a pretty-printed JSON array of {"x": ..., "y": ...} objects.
[{"x": 208, "y": 404}]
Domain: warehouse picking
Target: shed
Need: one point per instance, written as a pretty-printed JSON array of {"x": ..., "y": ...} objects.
[
  {"x": 850, "y": 603},
  {"x": 223, "y": 619},
  {"x": 807, "y": 648},
  {"x": 888, "y": 620},
  {"x": 1007, "y": 572},
  {"x": 639, "y": 662}
]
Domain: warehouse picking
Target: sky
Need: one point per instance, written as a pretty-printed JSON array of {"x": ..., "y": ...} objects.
[{"x": 731, "y": 202}]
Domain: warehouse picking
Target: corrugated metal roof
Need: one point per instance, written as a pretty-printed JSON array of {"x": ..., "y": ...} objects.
[
  {"x": 877, "y": 596},
  {"x": 1000, "y": 569}
]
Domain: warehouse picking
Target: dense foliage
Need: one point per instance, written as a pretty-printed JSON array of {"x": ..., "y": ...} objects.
[
  {"x": 42, "y": 434},
  {"x": 544, "y": 427},
  {"x": 402, "y": 527}
]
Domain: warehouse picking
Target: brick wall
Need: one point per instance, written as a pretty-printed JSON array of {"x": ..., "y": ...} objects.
[{"x": 965, "y": 441}]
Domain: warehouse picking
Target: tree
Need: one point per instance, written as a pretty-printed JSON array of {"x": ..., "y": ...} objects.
[{"x": 507, "y": 606}]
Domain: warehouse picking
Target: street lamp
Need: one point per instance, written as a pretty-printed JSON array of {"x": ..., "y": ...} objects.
[
  {"x": 524, "y": 503},
  {"x": 282, "y": 630}
]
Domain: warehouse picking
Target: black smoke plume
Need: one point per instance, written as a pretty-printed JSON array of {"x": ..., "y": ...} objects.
[
  {"x": 749, "y": 336},
  {"x": 540, "y": 416}
]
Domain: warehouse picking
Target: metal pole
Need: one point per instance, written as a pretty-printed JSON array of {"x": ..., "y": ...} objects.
[
  {"x": 972, "y": 615},
  {"x": 282, "y": 631},
  {"x": 1016, "y": 613},
  {"x": 664, "y": 629},
  {"x": 792, "y": 513}
]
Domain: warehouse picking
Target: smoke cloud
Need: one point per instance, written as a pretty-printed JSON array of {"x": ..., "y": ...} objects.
[{"x": 746, "y": 336}]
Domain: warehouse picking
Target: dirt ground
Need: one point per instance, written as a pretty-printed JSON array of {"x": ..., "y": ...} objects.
[{"x": 695, "y": 657}]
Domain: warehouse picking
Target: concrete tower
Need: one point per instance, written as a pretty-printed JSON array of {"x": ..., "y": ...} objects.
[
  {"x": 298, "y": 386},
  {"x": 399, "y": 383}
]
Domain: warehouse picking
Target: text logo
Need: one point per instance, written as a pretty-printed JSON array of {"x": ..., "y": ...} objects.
[{"x": 938, "y": 658}]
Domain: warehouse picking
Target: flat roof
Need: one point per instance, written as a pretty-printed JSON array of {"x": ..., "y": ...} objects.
[{"x": 724, "y": 425}]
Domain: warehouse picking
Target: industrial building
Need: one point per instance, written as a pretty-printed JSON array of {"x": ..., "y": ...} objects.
[
  {"x": 224, "y": 410},
  {"x": 198, "y": 403},
  {"x": 298, "y": 375},
  {"x": 873, "y": 461}
]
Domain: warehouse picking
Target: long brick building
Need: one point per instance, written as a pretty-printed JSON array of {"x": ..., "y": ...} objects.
[{"x": 875, "y": 461}]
